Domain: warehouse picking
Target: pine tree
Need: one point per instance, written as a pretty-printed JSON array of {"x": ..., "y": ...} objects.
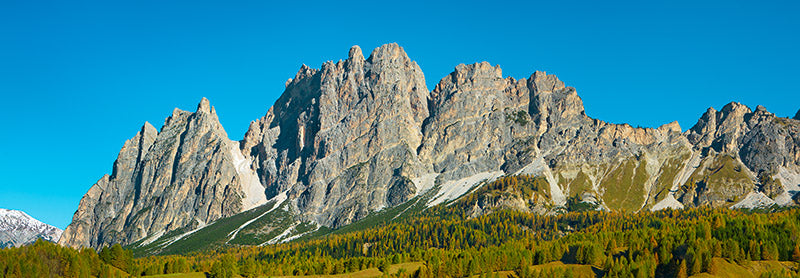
[
  {"x": 120, "y": 258},
  {"x": 682, "y": 271},
  {"x": 717, "y": 251},
  {"x": 384, "y": 266},
  {"x": 217, "y": 271},
  {"x": 249, "y": 268},
  {"x": 796, "y": 253},
  {"x": 105, "y": 272}
]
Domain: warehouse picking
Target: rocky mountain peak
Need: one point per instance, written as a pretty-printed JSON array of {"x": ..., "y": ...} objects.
[
  {"x": 546, "y": 82},
  {"x": 758, "y": 116},
  {"x": 184, "y": 176},
  {"x": 733, "y": 113},
  {"x": 720, "y": 129},
  {"x": 670, "y": 127},
  {"x": 355, "y": 60},
  {"x": 355, "y": 53},
  {"x": 388, "y": 53},
  {"x": 333, "y": 125},
  {"x": 478, "y": 70},
  {"x": 134, "y": 150},
  {"x": 552, "y": 103},
  {"x": 478, "y": 77},
  {"x": 204, "y": 106},
  {"x": 702, "y": 132},
  {"x": 797, "y": 115},
  {"x": 17, "y": 228},
  {"x": 148, "y": 128}
]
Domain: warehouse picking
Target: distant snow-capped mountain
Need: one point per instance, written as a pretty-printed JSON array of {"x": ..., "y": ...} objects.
[{"x": 18, "y": 228}]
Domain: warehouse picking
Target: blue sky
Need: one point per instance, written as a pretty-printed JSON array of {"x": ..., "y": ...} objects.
[{"x": 78, "y": 78}]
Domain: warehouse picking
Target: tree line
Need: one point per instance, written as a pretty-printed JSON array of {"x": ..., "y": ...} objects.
[{"x": 450, "y": 243}]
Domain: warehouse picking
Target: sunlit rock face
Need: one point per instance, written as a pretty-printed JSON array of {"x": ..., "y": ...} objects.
[
  {"x": 363, "y": 134},
  {"x": 179, "y": 177}
]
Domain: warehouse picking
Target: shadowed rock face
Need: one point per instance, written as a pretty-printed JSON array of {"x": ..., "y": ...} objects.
[
  {"x": 362, "y": 134},
  {"x": 181, "y": 176}
]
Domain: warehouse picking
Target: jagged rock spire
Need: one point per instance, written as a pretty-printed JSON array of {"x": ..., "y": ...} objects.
[{"x": 181, "y": 177}]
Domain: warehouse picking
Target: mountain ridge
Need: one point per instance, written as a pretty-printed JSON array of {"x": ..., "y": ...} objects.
[
  {"x": 17, "y": 228},
  {"x": 364, "y": 134}
]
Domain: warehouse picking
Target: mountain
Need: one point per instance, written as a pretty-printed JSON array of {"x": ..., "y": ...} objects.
[
  {"x": 364, "y": 140},
  {"x": 18, "y": 228},
  {"x": 185, "y": 175}
]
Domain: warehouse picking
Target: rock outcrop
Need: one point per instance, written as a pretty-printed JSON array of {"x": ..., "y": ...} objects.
[
  {"x": 363, "y": 134},
  {"x": 181, "y": 177}
]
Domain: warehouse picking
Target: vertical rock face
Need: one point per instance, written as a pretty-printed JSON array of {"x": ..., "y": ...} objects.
[
  {"x": 720, "y": 130},
  {"x": 475, "y": 115},
  {"x": 341, "y": 137},
  {"x": 181, "y": 177}
]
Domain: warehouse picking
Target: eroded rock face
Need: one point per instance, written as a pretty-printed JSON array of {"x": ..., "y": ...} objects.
[
  {"x": 743, "y": 151},
  {"x": 340, "y": 137},
  {"x": 180, "y": 177},
  {"x": 720, "y": 130},
  {"x": 475, "y": 115}
]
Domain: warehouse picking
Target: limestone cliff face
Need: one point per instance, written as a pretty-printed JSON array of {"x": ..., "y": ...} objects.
[
  {"x": 363, "y": 134},
  {"x": 341, "y": 138},
  {"x": 476, "y": 114},
  {"x": 180, "y": 177},
  {"x": 743, "y": 151}
]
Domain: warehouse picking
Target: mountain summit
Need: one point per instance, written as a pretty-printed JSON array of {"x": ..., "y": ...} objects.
[
  {"x": 185, "y": 175},
  {"x": 364, "y": 137},
  {"x": 18, "y": 228}
]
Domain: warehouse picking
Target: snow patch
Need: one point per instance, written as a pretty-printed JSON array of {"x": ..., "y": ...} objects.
[
  {"x": 668, "y": 202},
  {"x": 453, "y": 189},
  {"x": 754, "y": 200},
  {"x": 278, "y": 201},
  {"x": 17, "y": 228},
  {"x": 252, "y": 188}
]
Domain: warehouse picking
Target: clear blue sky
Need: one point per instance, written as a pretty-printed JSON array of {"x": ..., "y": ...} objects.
[{"x": 78, "y": 78}]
